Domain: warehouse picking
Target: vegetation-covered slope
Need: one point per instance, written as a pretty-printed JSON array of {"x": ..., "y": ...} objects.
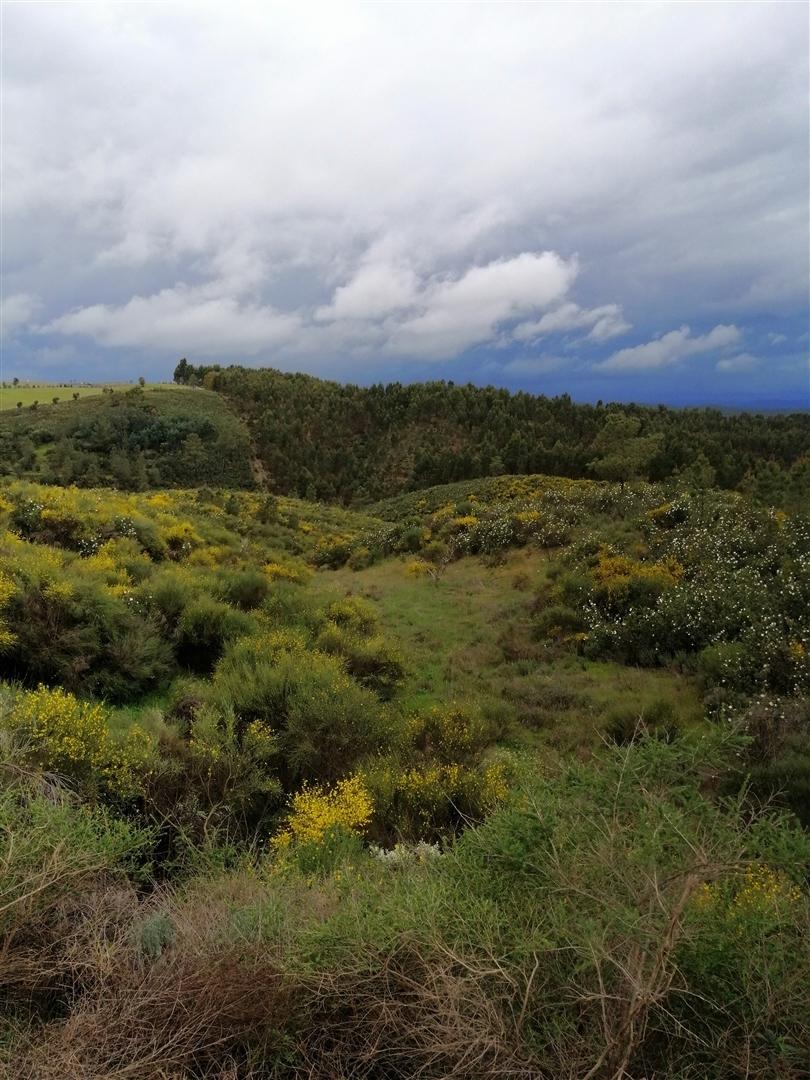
[
  {"x": 471, "y": 786},
  {"x": 325, "y": 440},
  {"x": 132, "y": 439}
]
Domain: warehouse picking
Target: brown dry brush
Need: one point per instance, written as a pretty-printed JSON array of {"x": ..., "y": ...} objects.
[
  {"x": 416, "y": 1012},
  {"x": 202, "y": 1007}
]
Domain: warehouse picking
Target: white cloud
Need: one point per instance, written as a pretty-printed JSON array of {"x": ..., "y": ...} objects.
[
  {"x": 374, "y": 291},
  {"x": 669, "y": 349},
  {"x": 602, "y": 323},
  {"x": 17, "y": 312},
  {"x": 741, "y": 362},
  {"x": 383, "y": 308},
  {"x": 173, "y": 319},
  {"x": 459, "y": 313}
]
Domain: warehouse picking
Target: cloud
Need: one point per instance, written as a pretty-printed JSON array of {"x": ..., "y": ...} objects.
[
  {"x": 741, "y": 362},
  {"x": 602, "y": 323},
  {"x": 173, "y": 318},
  {"x": 17, "y": 311},
  {"x": 459, "y": 313},
  {"x": 374, "y": 291},
  {"x": 669, "y": 349},
  {"x": 384, "y": 307},
  {"x": 377, "y": 182}
]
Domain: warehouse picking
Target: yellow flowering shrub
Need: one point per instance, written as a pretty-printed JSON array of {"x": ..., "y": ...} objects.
[
  {"x": 317, "y": 811},
  {"x": 418, "y": 568},
  {"x": 72, "y": 737},
  {"x": 760, "y": 892},
  {"x": 180, "y": 539},
  {"x": 277, "y": 571},
  {"x": 616, "y": 574},
  {"x": 211, "y": 555},
  {"x": 353, "y": 613},
  {"x": 451, "y": 733},
  {"x": 7, "y": 590},
  {"x": 431, "y": 800}
]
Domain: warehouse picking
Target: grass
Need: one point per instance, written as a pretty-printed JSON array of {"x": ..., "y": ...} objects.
[
  {"x": 468, "y": 636},
  {"x": 44, "y": 392}
]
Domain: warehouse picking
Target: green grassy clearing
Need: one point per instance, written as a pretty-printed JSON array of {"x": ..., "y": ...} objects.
[
  {"x": 468, "y": 636},
  {"x": 44, "y": 393}
]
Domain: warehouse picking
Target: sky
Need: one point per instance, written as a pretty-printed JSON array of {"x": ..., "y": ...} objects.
[{"x": 607, "y": 199}]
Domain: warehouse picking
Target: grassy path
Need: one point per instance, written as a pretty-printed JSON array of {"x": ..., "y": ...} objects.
[{"x": 469, "y": 636}]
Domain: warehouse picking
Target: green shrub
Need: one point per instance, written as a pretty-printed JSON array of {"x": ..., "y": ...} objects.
[
  {"x": 82, "y": 637},
  {"x": 167, "y": 594},
  {"x": 324, "y": 720},
  {"x": 451, "y": 733},
  {"x": 726, "y": 664},
  {"x": 186, "y": 698},
  {"x": 216, "y": 785},
  {"x": 432, "y": 801},
  {"x": 353, "y": 613},
  {"x": 360, "y": 558},
  {"x": 204, "y": 629},
  {"x": 245, "y": 589},
  {"x": 558, "y": 621},
  {"x": 625, "y": 723},
  {"x": 371, "y": 661}
]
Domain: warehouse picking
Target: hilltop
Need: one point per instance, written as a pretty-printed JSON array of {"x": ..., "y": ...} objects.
[{"x": 319, "y": 440}]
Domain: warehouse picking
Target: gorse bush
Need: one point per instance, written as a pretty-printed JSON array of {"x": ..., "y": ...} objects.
[
  {"x": 63, "y": 735},
  {"x": 316, "y": 812},
  {"x": 324, "y": 719},
  {"x": 204, "y": 629},
  {"x": 372, "y": 661}
]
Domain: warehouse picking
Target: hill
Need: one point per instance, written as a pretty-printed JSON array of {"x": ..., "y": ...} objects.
[
  {"x": 132, "y": 439},
  {"x": 325, "y": 440}
]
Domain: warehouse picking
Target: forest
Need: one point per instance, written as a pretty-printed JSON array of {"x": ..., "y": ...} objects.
[
  {"x": 326, "y": 440},
  {"x": 402, "y": 731}
]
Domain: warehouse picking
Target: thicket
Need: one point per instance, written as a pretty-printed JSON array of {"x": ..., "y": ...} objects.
[
  {"x": 704, "y": 582},
  {"x": 261, "y": 686}
]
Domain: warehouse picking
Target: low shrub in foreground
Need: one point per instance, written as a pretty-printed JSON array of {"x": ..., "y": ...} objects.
[{"x": 609, "y": 920}]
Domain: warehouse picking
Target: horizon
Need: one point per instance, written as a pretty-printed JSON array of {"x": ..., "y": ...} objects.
[
  {"x": 614, "y": 208},
  {"x": 165, "y": 380}
]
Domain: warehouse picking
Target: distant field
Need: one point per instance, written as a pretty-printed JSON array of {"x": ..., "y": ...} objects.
[{"x": 44, "y": 393}]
